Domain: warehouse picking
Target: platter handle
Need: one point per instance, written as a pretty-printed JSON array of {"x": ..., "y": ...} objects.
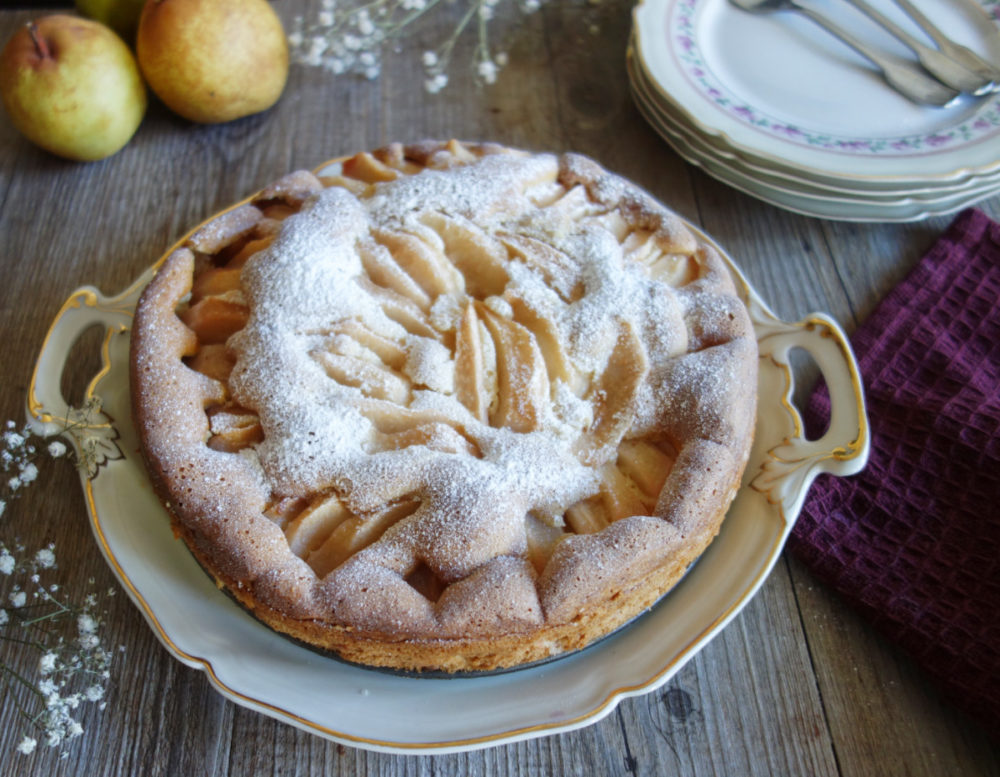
[
  {"x": 49, "y": 413},
  {"x": 842, "y": 449}
]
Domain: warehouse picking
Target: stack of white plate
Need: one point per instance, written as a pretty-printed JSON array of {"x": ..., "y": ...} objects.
[{"x": 776, "y": 107}]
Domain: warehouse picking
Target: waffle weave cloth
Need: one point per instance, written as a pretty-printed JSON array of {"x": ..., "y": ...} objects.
[{"x": 913, "y": 541}]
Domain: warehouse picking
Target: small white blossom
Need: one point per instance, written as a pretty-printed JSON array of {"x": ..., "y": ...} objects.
[
  {"x": 29, "y": 472},
  {"x": 3, "y": 506},
  {"x": 89, "y": 641},
  {"x": 18, "y": 598},
  {"x": 45, "y": 558},
  {"x": 429, "y": 58},
  {"x": 85, "y": 624},
  {"x": 436, "y": 83},
  {"x": 73, "y": 730},
  {"x": 12, "y": 440},
  {"x": 94, "y": 693},
  {"x": 488, "y": 71},
  {"x": 27, "y": 746},
  {"x": 7, "y": 562},
  {"x": 325, "y": 18},
  {"x": 4, "y": 617},
  {"x": 47, "y": 663}
]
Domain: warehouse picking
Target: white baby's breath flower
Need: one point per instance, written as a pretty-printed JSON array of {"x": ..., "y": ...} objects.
[
  {"x": 12, "y": 440},
  {"x": 94, "y": 693},
  {"x": 49, "y": 690},
  {"x": 62, "y": 634},
  {"x": 365, "y": 25},
  {"x": 353, "y": 37},
  {"x": 27, "y": 746},
  {"x": 89, "y": 641},
  {"x": 47, "y": 663},
  {"x": 45, "y": 558},
  {"x": 436, "y": 83},
  {"x": 3, "y": 506},
  {"x": 488, "y": 71}
]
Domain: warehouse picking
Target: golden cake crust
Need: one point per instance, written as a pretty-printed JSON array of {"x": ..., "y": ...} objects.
[{"x": 460, "y": 408}]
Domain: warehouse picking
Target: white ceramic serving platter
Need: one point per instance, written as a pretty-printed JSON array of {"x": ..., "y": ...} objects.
[
  {"x": 259, "y": 669},
  {"x": 806, "y": 200},
  {"x": 779, "y": 89},
  {"x": 791, "y": 179}
]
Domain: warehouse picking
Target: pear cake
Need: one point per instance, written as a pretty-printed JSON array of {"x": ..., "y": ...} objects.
[{"x": 456, "y": 407}]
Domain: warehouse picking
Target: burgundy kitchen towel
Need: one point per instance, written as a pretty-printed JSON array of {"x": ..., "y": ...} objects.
[{"x": 913, "y": 541}]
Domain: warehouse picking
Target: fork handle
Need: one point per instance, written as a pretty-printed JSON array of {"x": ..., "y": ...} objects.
[
  {"x": 935, "y": 61},
  {"x": 909, "y": 82},
  {"x": 961, "y": 54}
]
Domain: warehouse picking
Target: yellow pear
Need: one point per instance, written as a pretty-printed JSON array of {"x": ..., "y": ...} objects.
[
  {"x": 72, "y": 86},
  {"x": 122, "y": 16},
  {"x": 213, "y": 60}
]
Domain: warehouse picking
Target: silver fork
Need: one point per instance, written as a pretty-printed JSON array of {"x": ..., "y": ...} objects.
[
  {"x": 904, "y": 78},
  {"x": 935, "y": 61},
  {"x": 961, "y": 54}
]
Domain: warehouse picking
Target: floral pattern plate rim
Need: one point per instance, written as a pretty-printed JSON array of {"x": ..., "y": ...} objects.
[
  {"x": 730, "y": 73},
  {"x": 259, "y": 669},
  {"x": 800, "y": 197}
]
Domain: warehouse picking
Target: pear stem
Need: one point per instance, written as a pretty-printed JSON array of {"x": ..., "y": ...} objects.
[{"x": 40, "y": 45}]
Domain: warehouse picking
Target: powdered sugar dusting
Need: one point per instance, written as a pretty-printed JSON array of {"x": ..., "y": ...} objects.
[{"x": 364, "y": 415}]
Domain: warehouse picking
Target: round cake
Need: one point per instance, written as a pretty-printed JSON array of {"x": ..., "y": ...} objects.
[{"x": 455, "y": 407}]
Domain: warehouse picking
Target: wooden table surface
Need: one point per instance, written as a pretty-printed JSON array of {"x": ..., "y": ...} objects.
[{"x": 797, "y": 684}]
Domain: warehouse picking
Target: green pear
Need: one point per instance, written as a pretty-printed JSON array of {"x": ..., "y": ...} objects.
[
  {"x": 213, "y": 60},
  {"x": 72, "y": 86},
  {"x": 122, "y": 16}
]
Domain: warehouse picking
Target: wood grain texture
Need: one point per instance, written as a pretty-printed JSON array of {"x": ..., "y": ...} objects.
[{"x": 795, "y": 685}]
